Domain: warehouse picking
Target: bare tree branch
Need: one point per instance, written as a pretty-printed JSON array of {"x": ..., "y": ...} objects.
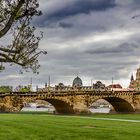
[
  {"x": 9, "y": 50},
  {"x": 12, "y": 18},
  {"x": 16, "y": 16}
]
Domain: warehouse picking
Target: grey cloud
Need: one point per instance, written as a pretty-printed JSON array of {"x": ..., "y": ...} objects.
[
  {"x": 65, "y": 25},
  {"x": 136, "y": 2},
  {"x": 74, "y": 8},
  {"x": 122, "y": 48},
  {"x": 68, "y": 62},
  {"x": 81, "y": 6}
]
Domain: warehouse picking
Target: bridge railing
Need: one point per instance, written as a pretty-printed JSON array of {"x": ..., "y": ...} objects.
[{"x": 68, "y": 91}]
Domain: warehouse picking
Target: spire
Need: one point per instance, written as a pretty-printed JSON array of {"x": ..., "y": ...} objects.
[
  {"x": 77, "y": 74},
  {"x": 36, "y": 87},
  {"x": 49, "y": 81},
  {"x": 45, "y": 85},
  {"x": 132, "y": 78}
]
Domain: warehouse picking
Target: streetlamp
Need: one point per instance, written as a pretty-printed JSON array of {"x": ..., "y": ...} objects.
[
  {"x": 112, "y": 83},
  {"x": 31, "y": 82}
]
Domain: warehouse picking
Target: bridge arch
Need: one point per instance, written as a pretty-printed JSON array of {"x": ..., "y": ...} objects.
[
  {"x": 61, "y": 106},
  {"x": 119, "y": 104}
]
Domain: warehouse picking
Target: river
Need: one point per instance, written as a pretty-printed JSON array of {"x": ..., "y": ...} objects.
[{"x": 50, "y": 110}]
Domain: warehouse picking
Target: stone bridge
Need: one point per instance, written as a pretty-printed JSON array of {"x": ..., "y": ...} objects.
[{"x": 72, "y": 101}]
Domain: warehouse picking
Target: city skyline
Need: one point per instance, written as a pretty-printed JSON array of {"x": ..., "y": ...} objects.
[{"x": 98, "y": 39}]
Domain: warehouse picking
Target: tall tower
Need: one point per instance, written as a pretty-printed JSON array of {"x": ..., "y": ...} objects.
[
  {"x": 138, "y": 74},
  {"x": 45, "y": 85},
  {"x": 137, "y": 83},
  {"x": 132, "y": 78},
  {"x": 132, "y": 82}
]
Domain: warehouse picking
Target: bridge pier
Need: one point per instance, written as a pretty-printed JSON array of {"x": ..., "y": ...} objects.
[
  {"x": 81, "y": 111},
  {"x": 80, "y": 105},
  {"x": 10, "y": 104},
  {"x": 136, "y": 102}
]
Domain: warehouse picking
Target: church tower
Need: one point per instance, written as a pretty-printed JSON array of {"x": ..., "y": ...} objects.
[
  {"x": 137, "y": 81},
  {"x": 132, "y": 82},
  {"x": 138, "y": 74},
  {"x": 132, "y": 78},
  {"x": 135, "y": 84}
]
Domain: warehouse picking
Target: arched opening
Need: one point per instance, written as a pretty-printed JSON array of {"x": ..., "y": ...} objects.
[
  {"x": 38, "y": 106},
  {"x": 120, "y": 105},
  {"x": 61, "y": 106},
  {"x": 111, "y": 104},
  {"x": 100, "y": 106},
  {"x": 48, "y": 105}
]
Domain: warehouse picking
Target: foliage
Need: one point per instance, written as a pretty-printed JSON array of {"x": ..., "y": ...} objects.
[
  {"x": 6, "y": 88},
  {"x": 15, "y": 20},
  {"x": 23, "y": 88}
]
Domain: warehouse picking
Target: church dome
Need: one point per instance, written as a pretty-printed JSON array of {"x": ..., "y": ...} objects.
[
  {"x": 61, "y": 85},
  {"x": 77, "y": 82}
]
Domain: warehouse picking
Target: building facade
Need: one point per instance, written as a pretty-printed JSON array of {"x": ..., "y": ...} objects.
[
  {"x": 99, "y": 85},
  {"x": 76, "y": 84},
  {"x": 135, "y": 83}
]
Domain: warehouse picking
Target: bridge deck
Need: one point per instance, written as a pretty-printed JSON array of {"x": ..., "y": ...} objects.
[{"x": 70, "y": 92}]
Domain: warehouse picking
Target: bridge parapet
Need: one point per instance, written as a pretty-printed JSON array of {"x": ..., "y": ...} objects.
[{"x": 71, "y": 92}]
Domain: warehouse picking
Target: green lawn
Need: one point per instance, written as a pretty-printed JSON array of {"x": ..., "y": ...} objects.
[{"x": 46, "y": 127}]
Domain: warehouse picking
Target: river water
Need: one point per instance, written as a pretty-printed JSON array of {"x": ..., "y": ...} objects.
[
  {"x": 51, "y": 110},
  {"x": 100, "y": 110}
]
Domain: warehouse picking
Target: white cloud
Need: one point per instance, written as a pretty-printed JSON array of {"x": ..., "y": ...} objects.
[{"x": 12, "y": 76}]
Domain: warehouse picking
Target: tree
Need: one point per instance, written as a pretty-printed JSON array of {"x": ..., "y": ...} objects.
[
  {"x": 23, "y": 88},
  {"x": 6, "y": 88},
  {"x": 15, "y": 20}
]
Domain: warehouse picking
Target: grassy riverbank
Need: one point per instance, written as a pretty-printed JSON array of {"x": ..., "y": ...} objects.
[{"x": 47, "y": 127}]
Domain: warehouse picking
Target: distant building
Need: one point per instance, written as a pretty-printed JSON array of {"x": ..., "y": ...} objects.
[
  {"x": 99, "y": 85},
  {"x": 115, "y": 87},
  {"x": 60, "y": 86},
  {"x": 77, "y": 82},
  {"x": 76, "y": 85},
  {"x": 132, "y": 82},
  {"x": 135, "y": 83}
]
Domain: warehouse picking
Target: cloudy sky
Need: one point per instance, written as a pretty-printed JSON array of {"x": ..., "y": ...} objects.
[{"x": 96, "y": 39}]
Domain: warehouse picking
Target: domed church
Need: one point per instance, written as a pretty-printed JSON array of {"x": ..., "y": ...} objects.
[{"x": 77, "y": 82}]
